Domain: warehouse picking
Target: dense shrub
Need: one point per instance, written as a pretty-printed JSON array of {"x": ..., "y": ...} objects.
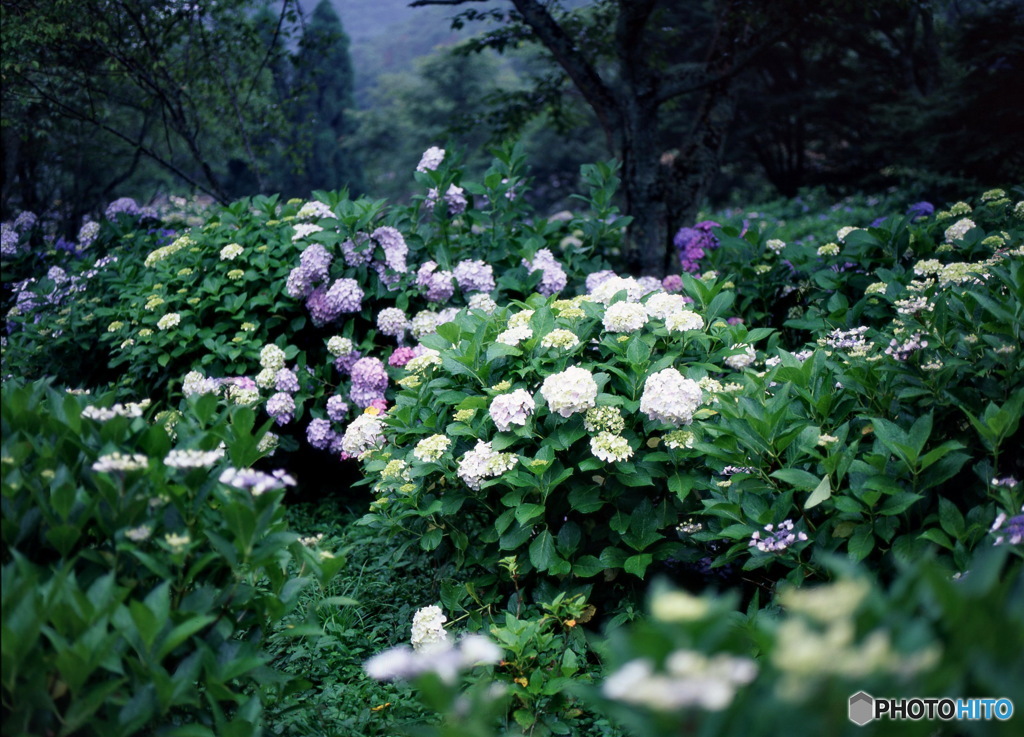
[{"x": 142, "y": 567}]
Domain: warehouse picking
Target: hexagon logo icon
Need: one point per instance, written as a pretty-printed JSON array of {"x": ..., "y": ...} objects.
[{"x": 862, "y": 708}]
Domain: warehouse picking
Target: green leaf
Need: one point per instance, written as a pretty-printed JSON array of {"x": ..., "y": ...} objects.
[
  {"x": 861, "y": 542},
  {"x": 525, "y": 513},
  {"x": 821, "y": 492},
  {"x": 938, "y": 537},
  {"x": 542, "y": 551},
  {"x": 798, "y": 478},
  {"x": 587, "y": 566},
  {"x": 637, "y": 564}
]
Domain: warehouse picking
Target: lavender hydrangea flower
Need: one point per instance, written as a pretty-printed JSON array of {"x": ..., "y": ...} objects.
[
  {"x": 281, "y": 407},
  {"x": 256, "y": 482},
  {"x": 357, "y": 252},
  {"x": 392, "y": 321},
  {"x": 369, "y": 380},
  {"x": 438, "y": 283},
  {"x": 431, "y": 159},
  {"x": 672, "y": 283},
  {"x": 395, "y": 248},
  {"x": 285, "y": 380},
  {"x": 8, "y": 240},
  {"x": 570, "y": 391},
  {"x": 777, "y": 540},
  {"x": 474, "y": 276},
  {"x": 337, "y": 408},
  {"x": 1013, "y": 533},
  {"x": 553, "y": 279},
  {"x": 344, "y": 296},
  {"x": 121, "y": 206},
  {"x": 693, "y": 243},
  {"x": 319, "y": 434},
  {"x": 455, "y": 200},
  {"x": 598, "y": 278},
  {"x": 344, "y": 363},
  {"x": 920, "y": 210}
]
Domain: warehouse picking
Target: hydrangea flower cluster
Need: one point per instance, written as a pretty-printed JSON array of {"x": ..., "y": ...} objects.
[
  {"x": 344, "y": 297},
  {"x": 129, "y": 409},
  {"x": 570, "y": 391},
  {"x": 553, "y": 278},
  {"x": 230, "y": 252},
  {"x": 369, "y": 381},
  {"x": 511, "y": 409},
  {"x": 514, "y": 335},
  {"x": 314, "y": 268},
  {"x": 87, "y": 234},
  {"x": 663, "y": 304},
  {"x": 363, "y": 433},
  {"x": 195, "y": 383},
  {"x": 446, "y": 662},
  {"x": 958, "y": 230},
  {"x": 193, "y": 458},
  {"x": 428, "y": 628},
  {"x": 357, "y": 252},
  {"x": 119, "y": 462},
  {"x": 692, "y": 679},
  {"x": 122, "y": 206},
  {"x": 901, "y": 351},
  {"x": 401, "y": 356},
  {"x": 597, "y": 278},
  {"x": 272, "y": 357},
  {"x": 560, "y": 338},
  {"x": 319, "y": 434},
  {"x": 281, "y": 406},
  {"x": 851, "y": 341},
  {"x": 776, "y": 540},
  {"x": 606, "y": 290},
  {"x": 671, "y": 398},
  {"x": 482, "y": 301},
  {"x": 482, "y": 462},
  {"x": 304, "y": 230},
  {"x": 432, "y": 448},
  {"x": 680, "y": 322},
  {"x": 395, "y": 249},
  {"x": 285, "y": 380},
  {"x": 625, "y": 317},
  {"x": 431, "y": 159},
  {"x": 1013, "y": 533},
  {"x": 256, "y": 482},
  {"x": 454, "y": 198},
  {"x": 474, "y": 276},
  {"x": 391, "y": 321},
  {"x": 740, "y": 361},
  {"x": 604, "y": 419},
  {"x": 610, "y": 447},
  {"x": 437, "y": 283},
  {"x": 314, "y": 210},
  {"x": 693, "y": 244},
  {"x": 337, "y": 408}
]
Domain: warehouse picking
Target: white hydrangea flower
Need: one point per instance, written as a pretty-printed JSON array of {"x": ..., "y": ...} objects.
[
  {"x": 740, "y": 361},
  {"x": 168, "y": 321},
  {"x": 680, "y": 322},
  {"x": 570, "y": 391},
  {"x": 959, "y": 229},
  {"x": 663, "y": 304},
  {"x": 428, "y": 628},
  {"x": 559, "y": 338},
  {"x": 775, "y": 245},
  {"x": 266, "y": 378},
  {"x": 482, "y": 301},
  {"x": 431, "y": 159},
  {"x": 625, "y": 317},
  {"x": 610, "y": 447},
  {"x": 514, "y": 336},
  {"x": 423, "y": 322},
  {"x": 511, "y": 409},
  {"x": 428, "y": 358},
  {"x": 112, "y": 462},
  {"x": 337, "y": 346},
  {"x": 432, "y": 448},
  {"x": 670, "y": 397},
  {"x": 363, "y": 433},
  {"x": 520, "y": 319},
  {"x": 193, "y": 458},
  {"x": 607, "y": 289},
  {"x": 272, "y": 357},
  {"x": 230, "y": 252},
  {"x": 829, "y": 249},
  {"x": 483, "y": 462}
]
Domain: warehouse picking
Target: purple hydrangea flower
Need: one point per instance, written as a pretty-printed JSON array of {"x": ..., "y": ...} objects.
[
  {"x": 344, "y": 296},
  {"x": 337, "y": 408},
  {"x": 776, "y": 540},
  {"x": 255, "y": 481},
  {"x": 281, "y": 407},
  {"x": 392, "y": 321},
  {"x": 369, "y": 380},
  {"x": 672, "y": 283},
  {"x": 345, "y": 363},
  {"x": 25, "y": 221},
  {"x": 286, "y": 381},
  {"x": 359, "y": 251},
  {"x": 122, "y": 206},
  {"x": 554, "y": 278},
  {"x": 920, "y": 209},
  {"x": 395, "y": 248},
  {"x": 438, "y": 284},
  {"x": 319, "y": 434},
  {"x": 693, "y": 243},
  {"x": 401, "y": 356},
  {"x": 598, "y": 278},
  {"x": 474, "y": 276}
]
